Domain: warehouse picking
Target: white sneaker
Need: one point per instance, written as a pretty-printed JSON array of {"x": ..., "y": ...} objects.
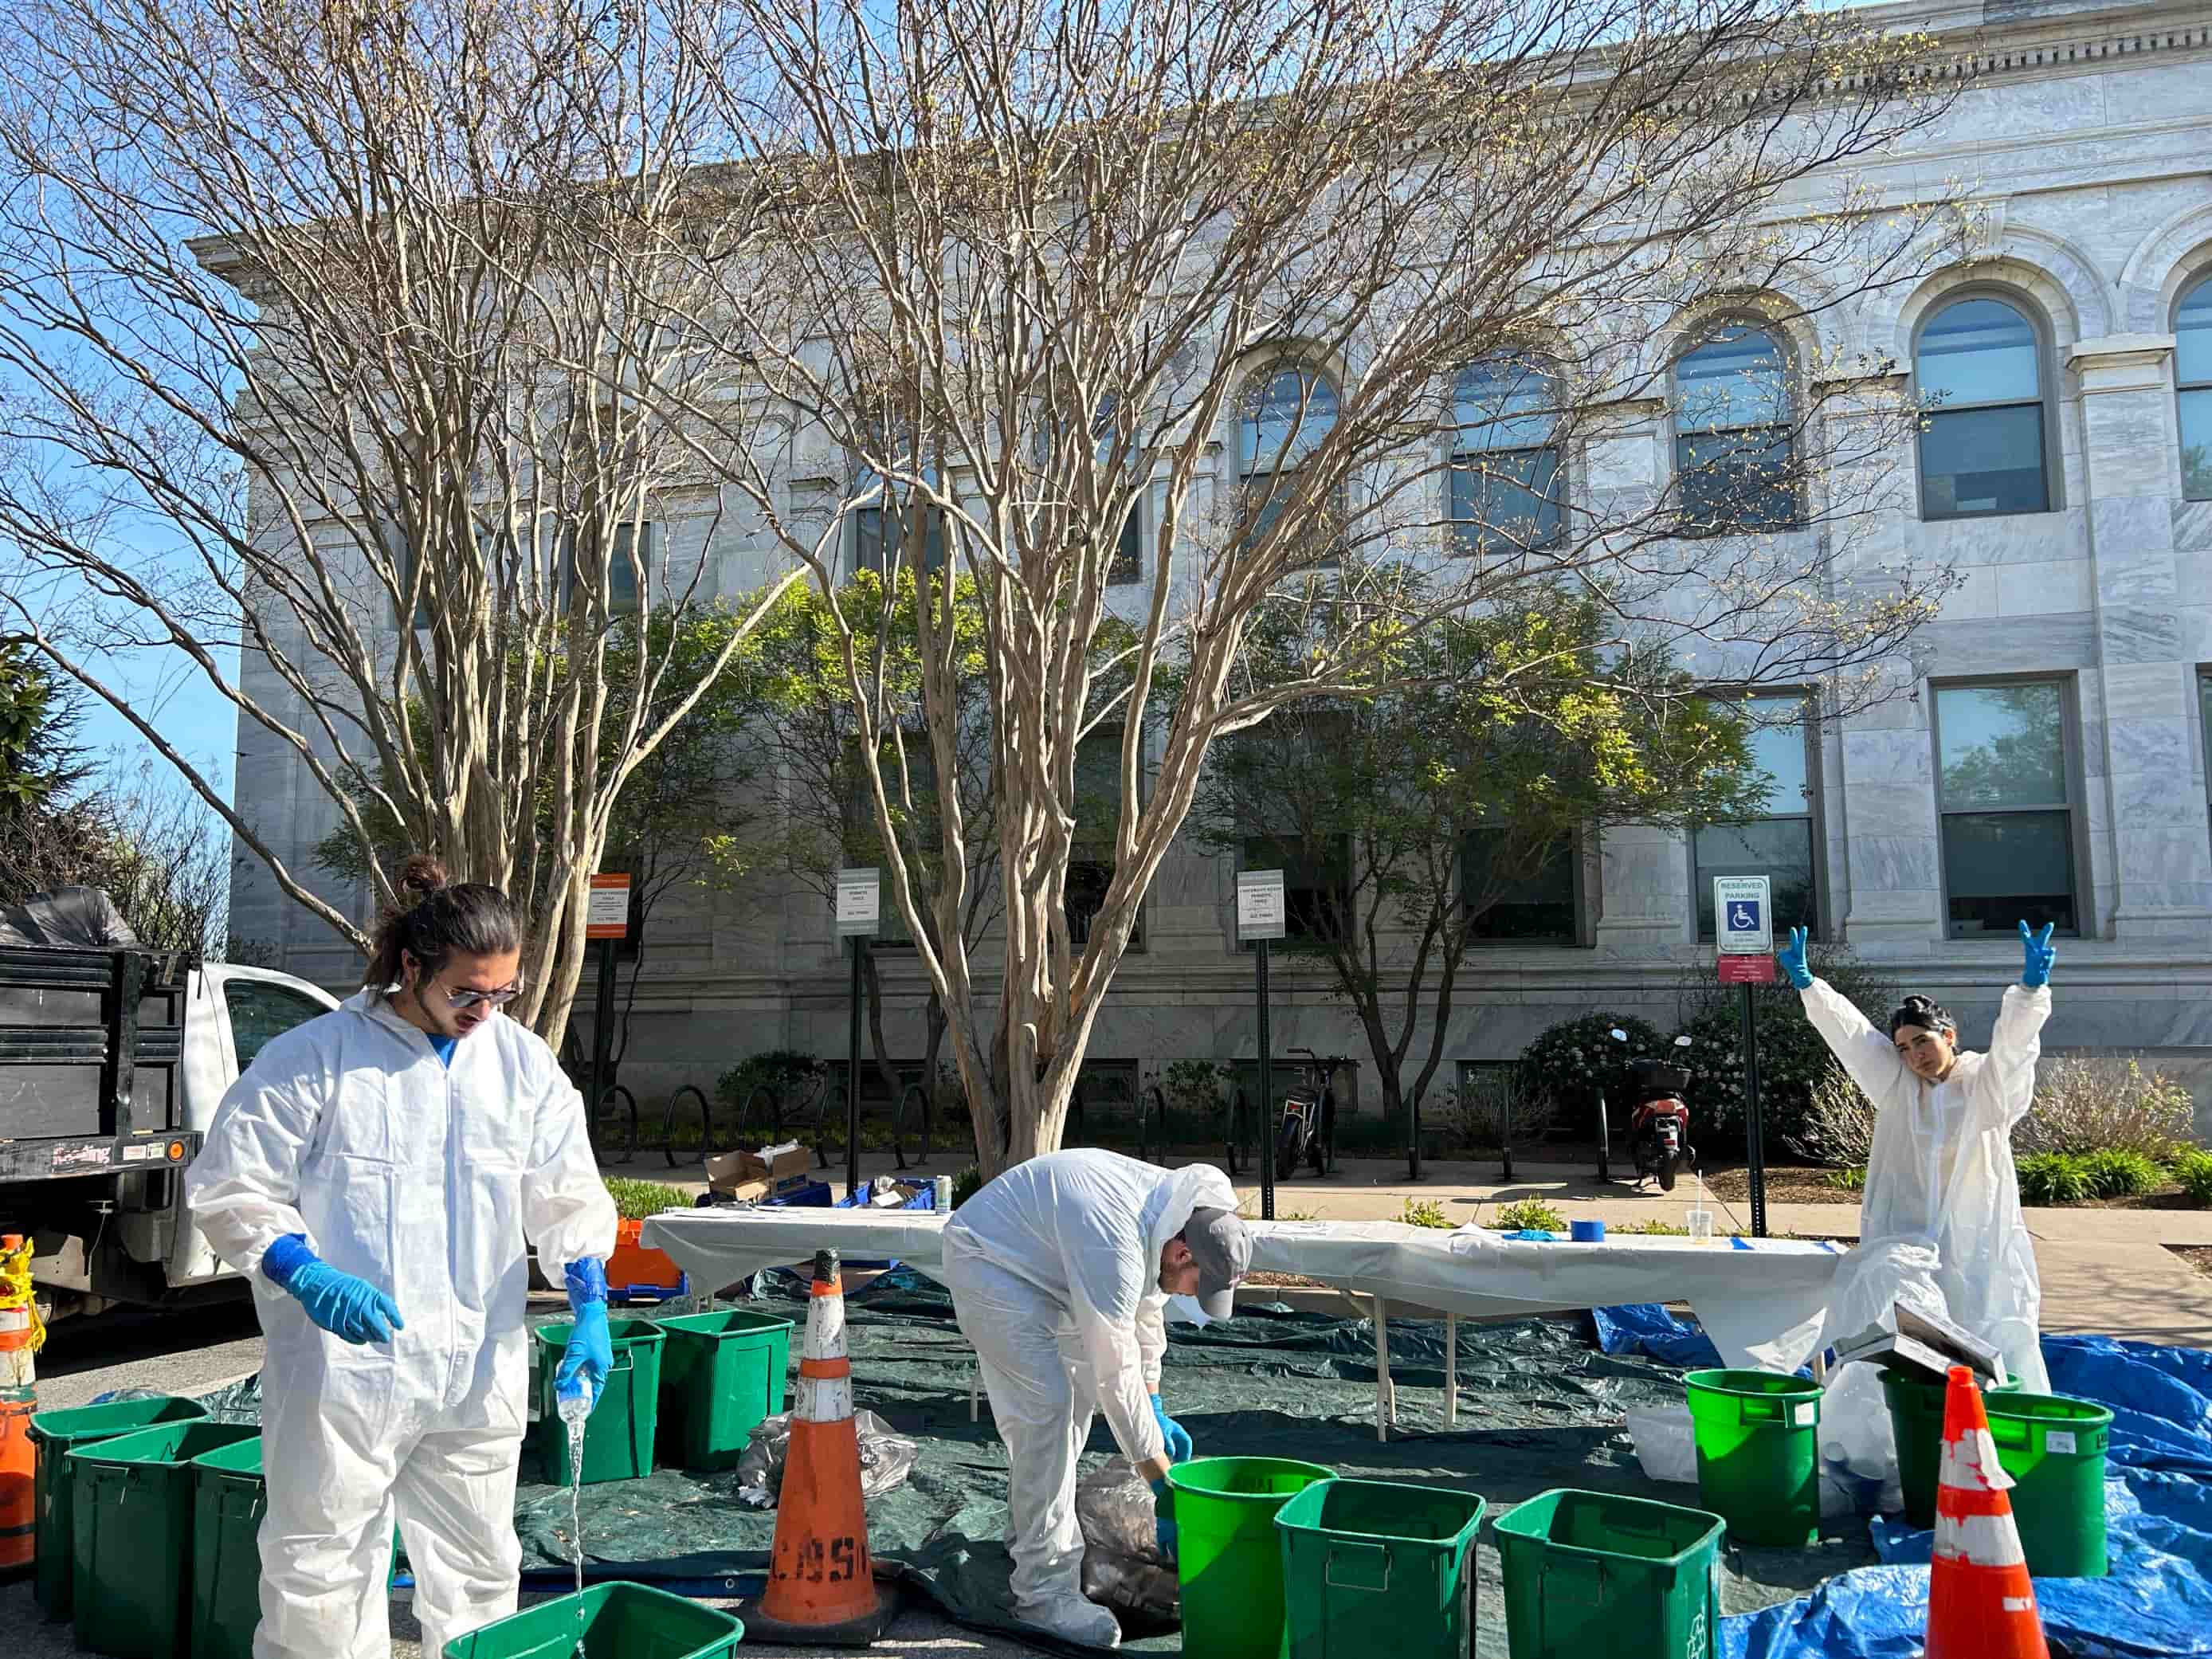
[{"x": 1076, "y": 1619}]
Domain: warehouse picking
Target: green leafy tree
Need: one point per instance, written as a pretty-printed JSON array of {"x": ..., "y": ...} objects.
[
  {"x": 41, "y": 759},
  {"x": 1488, "y": 746}
]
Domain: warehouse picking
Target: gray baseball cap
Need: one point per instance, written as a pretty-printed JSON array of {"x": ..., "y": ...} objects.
[{"x": 1223, "y": 1249}]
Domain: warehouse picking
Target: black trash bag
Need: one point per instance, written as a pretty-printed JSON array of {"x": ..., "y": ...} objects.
[{"x": 1123, "y": 1566}]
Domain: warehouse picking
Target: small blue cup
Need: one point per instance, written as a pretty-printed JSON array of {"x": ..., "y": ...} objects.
[{"x": 1587, "y": 1232}]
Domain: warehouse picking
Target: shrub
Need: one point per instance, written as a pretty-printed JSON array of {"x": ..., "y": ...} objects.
[
  {"x": 636, "y": 1199},
  {"x": 1838, "y": 1127},
  {"x": 1424, "y": 1212},
  {"x": 2103, "y": 1104},
  {"x": 1852, "y": 1179},
  {"x": 2194, "y": 1171},
  {"x": 1530, "y": 1212},
  {"x": 2052, "y": 1178},
  {"x": 2116, "y": 1174},
  {"x": 1568, "y": 1065},
  {"x": 1653, "y": 1230},
  {"x": 777, "y": 1070},
  {"x": 965, "y": 1184},
  {"x": 1470, "y": 1117}
]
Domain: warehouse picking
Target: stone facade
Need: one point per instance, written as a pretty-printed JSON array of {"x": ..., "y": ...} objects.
[{"x": 2086, "y": 143}]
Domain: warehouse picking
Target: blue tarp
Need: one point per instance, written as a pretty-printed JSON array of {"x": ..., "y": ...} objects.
[{"x": 2155, "y": 1604}]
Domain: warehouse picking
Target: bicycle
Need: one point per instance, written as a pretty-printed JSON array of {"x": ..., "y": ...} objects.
[{"x": 1308, "y": 1128}]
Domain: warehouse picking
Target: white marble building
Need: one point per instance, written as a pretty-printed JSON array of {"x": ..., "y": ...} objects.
[{"x": 2048, "y": 758}]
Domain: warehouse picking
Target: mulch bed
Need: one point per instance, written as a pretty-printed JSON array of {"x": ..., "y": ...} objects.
[{"x": 2198, "y": 1256}]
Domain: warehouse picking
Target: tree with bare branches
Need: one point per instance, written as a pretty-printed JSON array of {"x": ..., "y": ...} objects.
[
  {"x": 1267, "y": 274},
  {"x": 344, "y": 339}
]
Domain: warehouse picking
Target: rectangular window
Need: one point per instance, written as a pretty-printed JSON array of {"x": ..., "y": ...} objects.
[
  {"x": 2005, "y": 802},
  {"x": 2196, "y": 411},
  {"x": 1979, "y": 461},
  {"x": 1520, "y": 896},
  {"x": 1128, "y": 564},
  {"x": 2204, "y": 720},
  {"x": 1779, "y": 844},
  {"x": 1316, "y": 883},
  {"x": 1738, "y": 480},
  {"x": 622, "y": 567},
  {"x": 1506, "y": 501},
  {"x": 1097, "y": 811},
  {"x": 877, "y": 538}
]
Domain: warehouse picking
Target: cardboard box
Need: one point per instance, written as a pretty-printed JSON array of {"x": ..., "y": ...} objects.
[{"x": 776, "y": 1169}]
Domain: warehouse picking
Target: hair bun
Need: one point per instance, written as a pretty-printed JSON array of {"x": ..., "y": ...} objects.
[{"x": 421, "y": 876}]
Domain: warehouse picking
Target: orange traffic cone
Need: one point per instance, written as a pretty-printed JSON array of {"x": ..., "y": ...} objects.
[
  {"x": 821, "y": 1581},
  {"x": 1980, "y": 1603},
  {"x": 20, "y": 1333}
]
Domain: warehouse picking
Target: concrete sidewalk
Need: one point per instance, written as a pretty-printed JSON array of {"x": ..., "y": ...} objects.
[{"x": 2105, "y": 1272}]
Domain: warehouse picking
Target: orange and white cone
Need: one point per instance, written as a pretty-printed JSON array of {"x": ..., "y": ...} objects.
[
  {"x": 821, "y": 1583},
  {"x": 1981, "y": 1604}
]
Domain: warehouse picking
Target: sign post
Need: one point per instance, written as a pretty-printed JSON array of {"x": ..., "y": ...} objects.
[
  {"x": 1743, "y": 926},
  {"x": 1259, "y": 919},
  {"x": 859, "y": 905},
  {"x": 606, "y": 925}
]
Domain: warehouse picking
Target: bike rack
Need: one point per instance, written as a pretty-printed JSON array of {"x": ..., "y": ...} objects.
[
  {"x": 606, "y": 1095},
  {"x": 706, "y": 1124}
]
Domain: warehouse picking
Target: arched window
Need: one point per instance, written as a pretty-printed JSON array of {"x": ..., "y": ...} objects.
[
  {"x": 1978, "y": 370},
  {"x": 1506, "y": 482},
  {"x": 1735, "y": 441},
  {"x": 1290, "y": 413},
  {"x": 2192, "y": 377}
]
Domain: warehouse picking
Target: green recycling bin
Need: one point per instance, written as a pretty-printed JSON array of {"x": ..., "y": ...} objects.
[
  {"x": 1228, "y": 1557},
  {"x": 1364, "y": 1556},
  {"x": 58, "y": 1433},
  {"x": 1758, "y": 1435},
  {"x": 618, "y": 1435},
  {"x": 721, "y": 1374},
  {"x": 1916, "y": 1403},
  {"x": 229, "y": 1497},
  {"x": 610, "y": 1622},
  {"x": 1589, "y": 1573},
  {"x": 132, "y": 1523},
  {"x": 2054, "y": 1449}
]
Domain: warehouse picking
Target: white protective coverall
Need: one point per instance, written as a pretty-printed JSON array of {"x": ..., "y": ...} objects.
[
  {"x": 1941, "y": 1172},
  {"x": 425, "y": 1180},
  {"x": 1054, "y": 1274}
]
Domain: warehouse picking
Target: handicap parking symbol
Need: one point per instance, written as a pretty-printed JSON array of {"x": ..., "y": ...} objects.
[{"x": 1743, "y": 916}]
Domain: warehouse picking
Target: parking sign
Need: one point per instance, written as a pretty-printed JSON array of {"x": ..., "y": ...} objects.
[{"x": 1743, "y": 914}]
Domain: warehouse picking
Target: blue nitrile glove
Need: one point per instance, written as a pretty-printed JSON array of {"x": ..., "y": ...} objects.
[
  {"x": 350, "y": 1308},
  {"x": 1791, "y": 957},
  {"x": 590, "y": 1354},
  {"x": 2038, "y": 953},
  {"x": 1164, "y": 1526},
  {"x": 1176, "y": 1435}
]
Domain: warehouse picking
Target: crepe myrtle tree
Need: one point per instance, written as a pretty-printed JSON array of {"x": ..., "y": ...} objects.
[
  {"x": 1279, "y": 279},
  {"x": 340, "y": 344},
  {"x": 1486, "y": 746}
]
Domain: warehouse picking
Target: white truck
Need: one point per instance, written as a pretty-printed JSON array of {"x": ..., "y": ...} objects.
[{"x": 112, "y": 1060}]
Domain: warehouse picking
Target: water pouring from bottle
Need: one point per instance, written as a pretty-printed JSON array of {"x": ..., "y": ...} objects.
[{"x": 575, "y": 1409}]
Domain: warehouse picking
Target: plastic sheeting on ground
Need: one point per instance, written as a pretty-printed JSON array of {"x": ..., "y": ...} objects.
[{"x": 2157, "y": 1601}]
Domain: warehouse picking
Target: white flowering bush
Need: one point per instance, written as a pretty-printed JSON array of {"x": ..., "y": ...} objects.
[{"x": 1569, "y": 1065}]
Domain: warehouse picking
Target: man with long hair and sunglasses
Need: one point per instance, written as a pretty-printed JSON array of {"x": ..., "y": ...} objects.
[{"x": 380, "y": 1174}]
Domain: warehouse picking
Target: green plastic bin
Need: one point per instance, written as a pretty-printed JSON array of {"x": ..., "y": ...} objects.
[
  {"x": 56, "y": 1434},
  {"x": 1227, "y": 1558},
  {"x": 133, "y": 1528},
  {"x": 618, "y": 1438},
  {"x": 1758, "y": 1441},
  {"x": 1589, "y": 1573},
  {"x": 229, "y": 1497},
  {"x": 619, "y": 1622},
  {"x": 1915, "y": 1416},
  {"x": 721, "y": 1374},
  {"x": 2054, "y": 1448},
  {"x": 1361, "y": 1557}
]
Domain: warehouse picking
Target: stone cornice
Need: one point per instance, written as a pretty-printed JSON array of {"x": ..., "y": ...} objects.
[{"x": 2121, "y": 362}]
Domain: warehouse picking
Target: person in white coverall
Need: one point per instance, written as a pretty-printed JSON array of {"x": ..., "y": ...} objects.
[
  {"x": 1941, "y": 1172},
  {"x": 375, "y": 1175},
  {"x": 1059, "y": 1271}
]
